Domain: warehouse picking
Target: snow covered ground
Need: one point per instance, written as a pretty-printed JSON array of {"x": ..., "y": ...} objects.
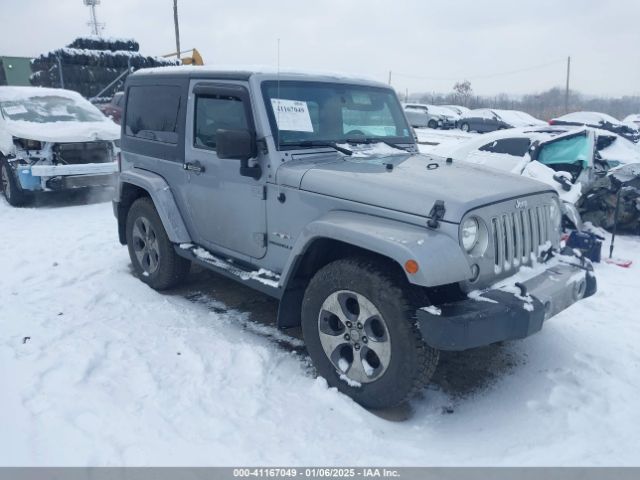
[{"x": 98, "y": 369}]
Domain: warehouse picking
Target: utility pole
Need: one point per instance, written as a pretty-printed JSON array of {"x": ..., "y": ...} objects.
[
  {"x": 175, "y": 21},
  {"x": 566, "y": 92},
  {"x": 93, "y": 23},
  {"x": 389, "y": 77}
]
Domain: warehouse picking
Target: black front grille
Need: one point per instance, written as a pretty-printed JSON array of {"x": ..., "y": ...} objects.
[{"x": 85, "y": 152}]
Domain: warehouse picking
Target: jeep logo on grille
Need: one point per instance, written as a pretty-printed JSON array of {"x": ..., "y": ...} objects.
[{"x": 521, "y": 204}]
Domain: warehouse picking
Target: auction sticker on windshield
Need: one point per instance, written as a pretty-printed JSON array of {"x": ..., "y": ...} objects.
[
  {"x": 292, "y": 115},
  {"x": 14, "y": 109}
]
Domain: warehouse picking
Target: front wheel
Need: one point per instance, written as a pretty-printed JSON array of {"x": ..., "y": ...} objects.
[
  {"x": 432, "y": 124},
  {"x": 152, "y": 255},
  {"x": 9, "y": 186},
  {"x": 464, "y": 126},
  {"x": 359, "y": 328}
]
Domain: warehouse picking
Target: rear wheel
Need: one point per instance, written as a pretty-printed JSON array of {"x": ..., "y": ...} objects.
[
  {"x": 359, "y": 327},
  {"x": 9, "y": 186},
  {"x": 152, "y": 254}
]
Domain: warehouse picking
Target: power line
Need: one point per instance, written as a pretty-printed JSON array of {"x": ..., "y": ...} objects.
[{"x": 476, "y": 77}]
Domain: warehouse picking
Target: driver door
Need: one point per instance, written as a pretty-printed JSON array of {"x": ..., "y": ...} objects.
[{"x": 227, "y": 210}]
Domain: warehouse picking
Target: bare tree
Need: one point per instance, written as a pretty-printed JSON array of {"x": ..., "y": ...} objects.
[
  {"x": 544, "y": 105},
  {"x": 463, "y": 91}
]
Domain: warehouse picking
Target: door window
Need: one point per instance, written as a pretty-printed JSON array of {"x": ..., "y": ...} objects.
[
  {"x": 213, "y": 113},
  {"x": 152, "y": 113},
  {"x": 567, "y": 154},
  {"x": 517, "y": 147},
  {"x": 572, "y": 150}
]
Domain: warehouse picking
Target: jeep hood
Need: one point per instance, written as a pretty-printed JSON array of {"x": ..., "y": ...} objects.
[
  {"x": 413, "y": 184},
  {"x": 63, "y": 131}
]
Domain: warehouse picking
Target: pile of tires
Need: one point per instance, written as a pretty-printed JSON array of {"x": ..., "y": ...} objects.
[
  {"x": 88, "y": 64},
  {"x": 99, "y": 43}
]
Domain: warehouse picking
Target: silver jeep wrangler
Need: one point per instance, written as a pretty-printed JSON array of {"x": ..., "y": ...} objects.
[{"x": 310, "y": 188}]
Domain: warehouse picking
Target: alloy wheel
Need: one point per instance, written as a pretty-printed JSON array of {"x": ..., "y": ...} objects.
[
  {"x": 354, "y": 336},
  {"x": 145, "y": 245}
]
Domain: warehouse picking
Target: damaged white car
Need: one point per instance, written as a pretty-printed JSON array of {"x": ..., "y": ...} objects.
[
  {"x": 53, "y": 139},
  {"x": 573, "y": 160}
]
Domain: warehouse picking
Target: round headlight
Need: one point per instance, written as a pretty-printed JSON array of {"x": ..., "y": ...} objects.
[{"x": 469, "y": 233}]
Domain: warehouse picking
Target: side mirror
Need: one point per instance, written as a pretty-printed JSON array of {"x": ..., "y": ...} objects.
[
  {"x": 235, "y": 144},
  {"x": 563, "y": 181},
  {"x": 238, "y": 144}
]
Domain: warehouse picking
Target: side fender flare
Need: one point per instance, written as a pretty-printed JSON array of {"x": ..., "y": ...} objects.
[
  {"x": 439, "y": 256},
  {"x": 163, "y": 199}
]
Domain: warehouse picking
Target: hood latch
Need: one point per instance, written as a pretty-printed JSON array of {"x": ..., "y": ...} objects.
[{"x": 437, "y": 213}]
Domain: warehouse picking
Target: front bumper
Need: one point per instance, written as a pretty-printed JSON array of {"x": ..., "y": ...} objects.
[
  {"x": 508, "y": 313},
  {"x": 68, "y": 176},
  {"x": 74, "y": 169},
  {"x": 81, "y": 181},
  {"x": 447, "y": 124}
]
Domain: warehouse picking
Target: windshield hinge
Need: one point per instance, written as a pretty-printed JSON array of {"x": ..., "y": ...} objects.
[
  {"x": 437, "y": 213},
  {"x": 262, "y": 146}
]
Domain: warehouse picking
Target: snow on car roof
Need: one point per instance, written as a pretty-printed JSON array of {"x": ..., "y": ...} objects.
[
  {"x": 518, "y": 118},
  {"x": 459, "y": 108},
  {"x": 55, "y": 122},
  {"x": 255, "y": 70},
  {"x": 439, "y": 110},
  {"x": 461, "y": 149},
  {"x": 479, "y": 113},
  {"x": 588, "y": 118},
  {"x": 620, "y": 149},
  {"x": 22, "y": 93}
]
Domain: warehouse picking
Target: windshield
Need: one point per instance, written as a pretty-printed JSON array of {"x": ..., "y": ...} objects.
[
  {"x": 50, "y": 108},
  {"x": 319, "y": 112}
]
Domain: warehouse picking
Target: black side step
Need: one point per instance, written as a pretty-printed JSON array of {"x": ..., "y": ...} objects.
[{"x": 251, "y": 278}]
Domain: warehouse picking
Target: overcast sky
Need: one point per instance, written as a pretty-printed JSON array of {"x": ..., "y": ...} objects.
[{"x": 511, "y": 46}]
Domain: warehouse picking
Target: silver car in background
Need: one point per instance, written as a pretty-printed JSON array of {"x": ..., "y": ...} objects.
[{"x": 431, "y": 116}]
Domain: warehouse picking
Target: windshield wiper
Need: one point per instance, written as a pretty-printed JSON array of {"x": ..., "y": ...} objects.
[
  {"x": 314, "y": 143},
  {"x": 368, "y": 141}
]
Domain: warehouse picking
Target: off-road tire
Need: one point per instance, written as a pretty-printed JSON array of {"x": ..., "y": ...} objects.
[
  {"x": 10, "y": 188},
  {"x": 412, "y": 362},
  {"x": 172, "y": 269}
]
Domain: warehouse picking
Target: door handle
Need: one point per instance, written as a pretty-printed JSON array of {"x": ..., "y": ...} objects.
[{"x": 195, "y": 167}]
